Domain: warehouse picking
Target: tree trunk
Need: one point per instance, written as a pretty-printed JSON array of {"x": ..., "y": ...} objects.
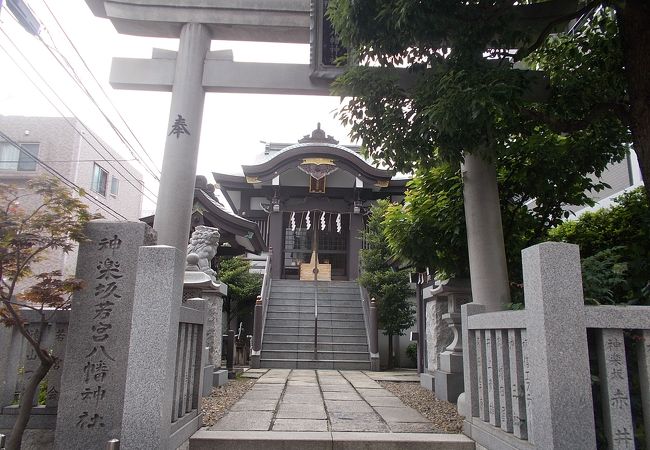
[
  {"x": 633, "y": 20},
  {"x": 25, "y": 408},
  {"x": 391, "y": 364}
]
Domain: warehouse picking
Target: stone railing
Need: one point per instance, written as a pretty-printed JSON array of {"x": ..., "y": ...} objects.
[
  {"x": 18, "y": 360},
  {"x": 370, "y": 319},
  {"x": 528, "y": 383},
  {"x": 188, "y": 368},
  {"x": 259, "y": 315}
]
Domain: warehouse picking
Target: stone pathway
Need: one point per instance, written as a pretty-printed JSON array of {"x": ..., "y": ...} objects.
[{"x": 321, "y": 401}]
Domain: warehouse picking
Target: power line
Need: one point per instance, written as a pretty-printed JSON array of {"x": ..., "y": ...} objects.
[
  {"x": 66, "y": 181},
  {"x": 75, "y": 78},
  {"x": 99, "y": 85},
  {"x": 103, "y": 158},
  {"x": 67, "y": 119},
  {"x": 67, "y": 67},
  {"x": 80, "y": 84}
]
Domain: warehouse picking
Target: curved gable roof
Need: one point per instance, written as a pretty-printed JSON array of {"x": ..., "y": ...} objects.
[{"x": 293, "y": 156}]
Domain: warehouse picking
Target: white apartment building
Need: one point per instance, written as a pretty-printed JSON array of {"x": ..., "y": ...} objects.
[{"x": 105, "y": 175}]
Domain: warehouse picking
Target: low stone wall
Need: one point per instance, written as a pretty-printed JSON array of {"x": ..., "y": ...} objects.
[{"x": 528, "y": 382}]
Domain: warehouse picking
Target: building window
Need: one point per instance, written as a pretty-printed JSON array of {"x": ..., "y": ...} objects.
[
  {"x": 12, "y": 158},
  {"x": 100, "y": 179},
  {"x": 115, "y": 185}
]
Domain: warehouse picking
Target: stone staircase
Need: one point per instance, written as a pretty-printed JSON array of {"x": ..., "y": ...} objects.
[{"x": 288, "y": 339}]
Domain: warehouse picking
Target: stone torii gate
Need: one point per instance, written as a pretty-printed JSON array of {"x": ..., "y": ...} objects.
[{"x": 194, "y": 70}]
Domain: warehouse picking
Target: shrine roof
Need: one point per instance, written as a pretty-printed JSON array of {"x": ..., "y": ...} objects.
[
  {"x": 294, "y": 155},
  {"x": 241, "y": 234}
]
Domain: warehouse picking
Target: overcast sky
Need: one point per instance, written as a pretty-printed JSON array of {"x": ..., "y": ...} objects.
[{"x": 233, "y": 124}]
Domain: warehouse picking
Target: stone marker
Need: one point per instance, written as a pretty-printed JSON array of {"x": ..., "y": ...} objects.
[
  {"x": 615, "y": 390},
  {"x": 153, "y": 349},
  {"x": 94, "y": 375}
]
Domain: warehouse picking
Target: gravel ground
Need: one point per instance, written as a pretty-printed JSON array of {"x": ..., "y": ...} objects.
[
  {"x": 442, "y": 414},
  {"x": 223, "y": 397}
]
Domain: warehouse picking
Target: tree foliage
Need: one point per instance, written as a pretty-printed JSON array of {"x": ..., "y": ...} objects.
[
  {"x": 462, "y": 94},
  {"x": 26, "y": 237},
  {"x": 615, "y": 247},
  {"x": 388, "y": 286},
  {"x": 243, "y": 286},
  {"x": 546, "y": 147},
  {"x": 429, "y": 228}
]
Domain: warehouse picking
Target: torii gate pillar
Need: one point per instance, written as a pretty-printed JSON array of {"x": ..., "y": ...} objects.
[
  {"x": 487, "y": 256},
  {"x": 176, "y": 192}
]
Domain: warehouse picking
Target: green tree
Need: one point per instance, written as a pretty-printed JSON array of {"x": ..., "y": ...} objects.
[
  {"x": 26, "y": 237},
  {"x": 243, "y": 286},
  {"x": 388, "y": 286},
  {"x": 428, "y": 230},
  {"x": 545, "y": 148},
  {"x": 460, "y": 100},
  {"x": 615, "y": 247}
]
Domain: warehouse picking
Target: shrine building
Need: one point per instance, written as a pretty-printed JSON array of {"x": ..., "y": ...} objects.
[{"x": 310, "y": 201}]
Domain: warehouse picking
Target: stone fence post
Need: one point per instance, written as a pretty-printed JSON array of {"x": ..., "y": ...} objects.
[
  {"x": 256, "y": 347},
  {"x": 374, "y": 335},
  {"x": 197, "y": 283},
  {"x": 10, "y": 352},
  {"x": 556, "y": 340},
  {"x": 152, "y": 350},
  {"x": 230, "y": 354}
]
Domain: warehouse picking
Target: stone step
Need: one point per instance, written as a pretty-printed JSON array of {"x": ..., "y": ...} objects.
[
  {"x": 310, "y": 297},
  {"x": 321, "y": 295},
  {"x": 309, "y": 287},
  {"x": 323, "y": 338},
  {"x": 278, "y": 440},
  {"x": 309, "y": 354},
  {"x": 309, "y": 303},
  {"x": 311, "y": 283},
  {"x": 306, "y": 315},
  {"x": 309, "y": 345},
  {"x": 309, "y": 330},
  {"x": 322, "y": 323},
  {"x": 321, "y": 288},
  {"x": 311, "y": 294},
  {"x": 302, "y": 307},
  {"x": 311, "y": 364}
]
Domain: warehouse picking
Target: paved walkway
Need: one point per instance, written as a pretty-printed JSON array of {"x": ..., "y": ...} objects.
[{"x": 321, "y": 400}]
